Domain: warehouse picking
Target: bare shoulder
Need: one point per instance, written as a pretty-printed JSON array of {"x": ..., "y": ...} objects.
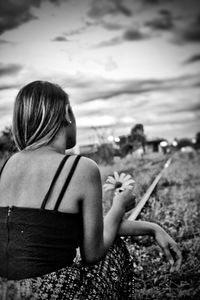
[
  {"x": 90, "y": 181},
  {"x": 89, "y": 167},
  {"x": 12, "y": 159},
  {"x": 89, "y": 175}
]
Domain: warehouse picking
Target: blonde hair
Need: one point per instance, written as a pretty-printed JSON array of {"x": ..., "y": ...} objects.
[{"x": 39, "y": 113}]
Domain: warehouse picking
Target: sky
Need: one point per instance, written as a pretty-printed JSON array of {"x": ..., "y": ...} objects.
[{"x": 121, "y": 62}]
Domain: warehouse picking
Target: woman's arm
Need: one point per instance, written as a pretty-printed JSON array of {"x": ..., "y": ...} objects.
[
  {"x": 137, "y": 228},
  {"x": 166, "y": 243},
  {"x": 98, "y": 232}
]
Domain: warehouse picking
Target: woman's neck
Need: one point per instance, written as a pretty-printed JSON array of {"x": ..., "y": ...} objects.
[{"x": 58, "y": 144}]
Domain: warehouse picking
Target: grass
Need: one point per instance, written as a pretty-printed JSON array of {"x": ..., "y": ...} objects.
[{"x": 175, "y": 205}]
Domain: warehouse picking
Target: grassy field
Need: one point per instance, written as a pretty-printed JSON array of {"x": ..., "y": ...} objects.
[{"x": 175, "y": 205}]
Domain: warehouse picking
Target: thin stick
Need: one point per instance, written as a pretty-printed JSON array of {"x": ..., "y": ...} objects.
[{"x": 136, "y": 211}]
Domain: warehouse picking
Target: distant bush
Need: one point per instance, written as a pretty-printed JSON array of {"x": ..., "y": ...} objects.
[
  {"x": 197, "y": 144},
  {"x": 7, "y": 145},
  {"x": 184, "y": 142},
  {"x": 103, "y": 155}
]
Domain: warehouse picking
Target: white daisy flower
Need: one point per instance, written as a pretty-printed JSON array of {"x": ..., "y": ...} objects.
[{"x": 119, "y": 182}]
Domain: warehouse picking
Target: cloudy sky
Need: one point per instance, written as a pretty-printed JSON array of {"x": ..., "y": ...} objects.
[{"x": 122, "y": 62}]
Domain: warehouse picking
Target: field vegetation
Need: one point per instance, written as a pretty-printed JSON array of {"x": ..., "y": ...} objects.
[{"x": 175, "y": 205}]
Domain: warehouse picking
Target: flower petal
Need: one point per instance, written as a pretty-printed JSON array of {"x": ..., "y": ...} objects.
[
  {"x": 121, "y": 176},
  {"x": 111, "y": 179},
  {"x": 127, "y": 177},
  {"x": 116, "y": 176},
  {"x": 108, "y": 187},
  {"x": 129, "y": 187},
  {"x": 109, "y": 184},
  {"x": 128, "y": 182}
]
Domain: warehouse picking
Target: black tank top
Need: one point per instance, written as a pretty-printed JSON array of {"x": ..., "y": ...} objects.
[{"x": 37, "y": 241}]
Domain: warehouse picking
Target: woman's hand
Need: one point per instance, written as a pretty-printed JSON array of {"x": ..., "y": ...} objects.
[
  {"x": 125, "y": 199},
  {"x": 169, "y": 247}
]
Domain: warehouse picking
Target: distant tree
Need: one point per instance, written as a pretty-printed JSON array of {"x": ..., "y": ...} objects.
[
  {"x": 184, "y": 142},
  {"x": 138, "y": 138},
  {"x": 104, "y": 154},
  {"x": 7, "y": 144},
  {"x": 135, "y": 140},
  {"x": 126, "y": 149},
  {"x": 197, "y": 144}
]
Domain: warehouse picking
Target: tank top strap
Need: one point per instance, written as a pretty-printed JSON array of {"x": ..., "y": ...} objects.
[
  {"x": 4, "y": 165},
  {"x": 59, "y": 169},
  {"x": 62, "y": 192}
]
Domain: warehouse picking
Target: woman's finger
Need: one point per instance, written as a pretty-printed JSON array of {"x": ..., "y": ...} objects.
[
  {"x": 177, "y": 251},
  {"x": 168, "y": 255}
]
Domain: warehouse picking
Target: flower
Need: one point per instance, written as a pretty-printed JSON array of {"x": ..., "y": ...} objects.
[{"x": 119, "y": 182}]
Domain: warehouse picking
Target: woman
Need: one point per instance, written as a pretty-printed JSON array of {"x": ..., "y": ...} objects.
[{"x": 51, "y": 203}]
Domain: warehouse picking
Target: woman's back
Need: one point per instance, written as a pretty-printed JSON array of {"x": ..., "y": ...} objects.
[
  {"x": 36, "y": 239},
  {"x": 27, "y": 177}
]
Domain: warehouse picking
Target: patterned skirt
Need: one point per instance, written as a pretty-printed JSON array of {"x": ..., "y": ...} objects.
[{"x": 111, "y": 278}]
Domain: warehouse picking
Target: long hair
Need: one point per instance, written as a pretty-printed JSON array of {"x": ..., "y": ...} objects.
[{"x": 39, "y": 113}]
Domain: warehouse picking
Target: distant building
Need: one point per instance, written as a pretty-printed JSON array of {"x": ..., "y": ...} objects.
[{"x": 156, "y": 145}]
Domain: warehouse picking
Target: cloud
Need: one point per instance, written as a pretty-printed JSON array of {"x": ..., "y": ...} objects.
[
  {"x": 189, "y": 33},
  {"x": 84, "y": 88},
  {"x": 10, "y": 69},
  {"x": 99, "y": 9},
  {"x": 15, "y": 13},
  {"x": 57, "y": 2},
  {"x": 80, "y": 29},
  {"x": 193, "y": 59},
  {"x": 111, "y": 42},
  {"x": 191, "y": 107},
  {"x": 163, "y": 22},
  {"x": 134, "y": 35},
  {"x": 112, "y": 25},
  {"x": 75, "y": 31},
  {"x": 129, "y": 35},
  {"x": 151, "y": 2},
  {"x": 181, "y": 17},
  {"x": 96, "y": 120},
  {"x": 3, "y": 42},
  {"x": 98, "y": 88},
  {"x": 112, "y": 103},
  {"x": 164, "y": 2},
  {"x": 165, "y": 109},
  {"x": 60, "y": 39},
  {"x": 8, "y": 86},
  {"x": 122, "y": 8}
]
